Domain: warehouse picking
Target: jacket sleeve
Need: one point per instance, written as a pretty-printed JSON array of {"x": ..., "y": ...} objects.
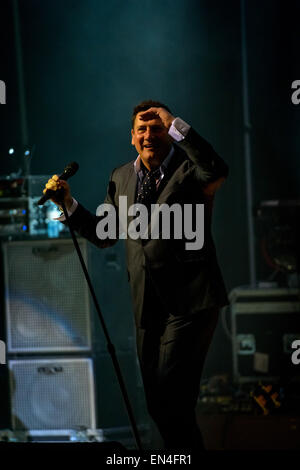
[
  {"x": 210, "y": 166},
  {"x": 85, "y": 223}
]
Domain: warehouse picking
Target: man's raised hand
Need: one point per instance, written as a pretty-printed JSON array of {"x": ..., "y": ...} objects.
[{"x": 153, "y": 113}]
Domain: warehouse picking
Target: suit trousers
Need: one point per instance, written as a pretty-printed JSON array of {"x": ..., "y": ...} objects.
[{"x": 171, "y": 351}]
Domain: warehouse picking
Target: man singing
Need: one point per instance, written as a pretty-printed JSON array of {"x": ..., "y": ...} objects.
[{"x": 177, "y": 293}]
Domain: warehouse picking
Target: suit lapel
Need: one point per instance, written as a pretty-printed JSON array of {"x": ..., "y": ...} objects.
[
  {"x": 172, "y": 178},
  {"x": 130, "y": 189}
]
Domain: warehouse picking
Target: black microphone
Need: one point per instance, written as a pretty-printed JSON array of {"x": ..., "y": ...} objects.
[{"x": 69, "y": 171}]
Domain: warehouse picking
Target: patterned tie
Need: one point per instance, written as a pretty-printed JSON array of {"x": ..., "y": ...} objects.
[{"x": 147, "y": 192}]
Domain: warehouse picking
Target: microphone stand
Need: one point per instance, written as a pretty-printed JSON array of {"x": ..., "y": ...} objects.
[{"x": 110, "y": 346}]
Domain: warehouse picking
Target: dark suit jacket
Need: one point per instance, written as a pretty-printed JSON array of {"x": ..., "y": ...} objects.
[{"x": 184, "y": 281}]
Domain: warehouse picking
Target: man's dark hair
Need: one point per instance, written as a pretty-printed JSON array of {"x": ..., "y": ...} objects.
[{"x": 144, "y": 105}]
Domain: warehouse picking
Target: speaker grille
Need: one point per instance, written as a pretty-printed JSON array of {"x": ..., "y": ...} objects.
[
  {"x": 47, "y": 301},
  {"x": 52, "y": 394}
]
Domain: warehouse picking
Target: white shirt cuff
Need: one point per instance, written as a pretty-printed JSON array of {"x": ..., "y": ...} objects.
[
  {"x": 179, "y": 129},
  {"x": 69, "y": 211}
]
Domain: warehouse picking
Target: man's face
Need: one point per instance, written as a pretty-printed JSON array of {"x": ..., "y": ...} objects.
[{"x": 151, "y": 140}]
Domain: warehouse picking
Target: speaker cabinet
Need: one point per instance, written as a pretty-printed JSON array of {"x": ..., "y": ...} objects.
[
  {"x": 46, "y": 296},
  {"x": 52, "y": 393}
]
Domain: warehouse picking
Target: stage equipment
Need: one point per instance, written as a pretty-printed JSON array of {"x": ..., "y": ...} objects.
[
  {"x": 20, "y": 213},
  {"x": 52, "y": 435},
  {"x": 42, "y": 325},
  {"x": 52, "y": 393},
  {"x": 279, "y": 233},
  {"x": 47, "y": 315},
  {"x": 13, "y": 207},
  {"x": 264, "y": 324},
  {"x": 47, "y": 299}
]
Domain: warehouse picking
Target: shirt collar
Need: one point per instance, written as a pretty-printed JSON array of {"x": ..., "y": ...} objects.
[{"x": 138, "y": 168}]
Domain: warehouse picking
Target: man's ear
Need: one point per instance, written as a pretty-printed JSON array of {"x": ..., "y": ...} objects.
[{"x": 132, "y": 137}]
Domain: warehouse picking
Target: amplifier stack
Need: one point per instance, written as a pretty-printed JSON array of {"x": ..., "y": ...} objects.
[{"x": 60, "y": 376}]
